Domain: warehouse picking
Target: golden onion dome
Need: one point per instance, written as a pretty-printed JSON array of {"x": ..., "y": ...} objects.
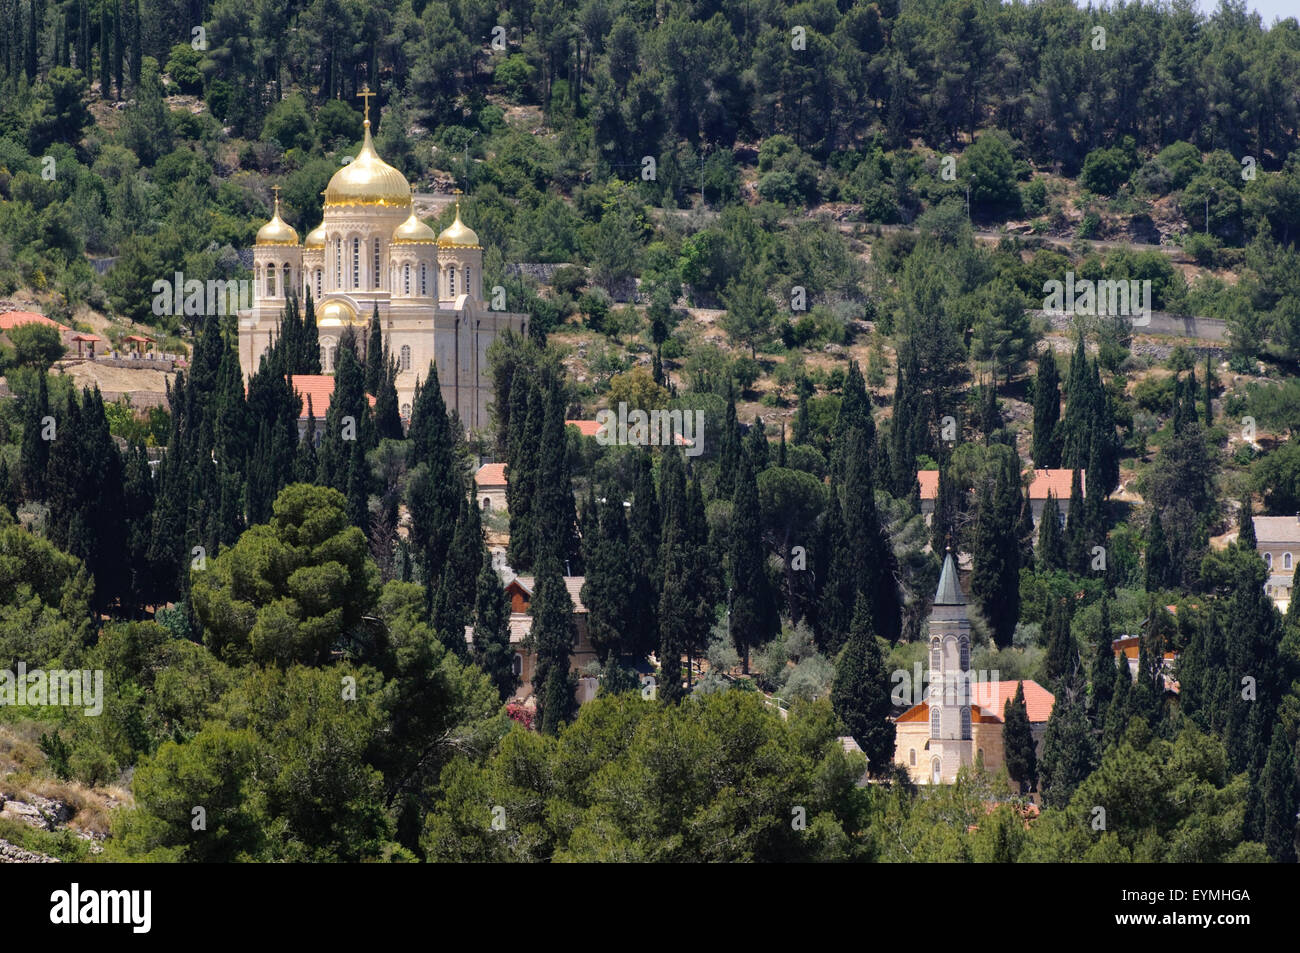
[
  {"x": 458, "y": 234},
  {"x": 413, "y": 232},
  {"x": 335, "y": 314},
  {"x": 315, "y": 238},
  {"x": 277, "y": 231},
  {"x": 368, "y": 180}
]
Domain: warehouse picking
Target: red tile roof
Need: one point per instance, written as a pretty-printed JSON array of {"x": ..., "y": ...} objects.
[
  {"x": 491, "y": 474},
  {"x": 1056, "y": 482},
  {"x": 929, "y": 480},
  {"x": 990, "y": 699},
  {"x": 588, "y": 428},
  {"x": 11, "y": 319},
  {"x": 320, "y": 387},
  {"x": 572, "y": 583}
]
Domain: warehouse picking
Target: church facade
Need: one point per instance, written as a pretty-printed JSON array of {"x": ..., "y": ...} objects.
[
  {"x": 959, "y": 725},
  {"x": 372, "y": 251}
]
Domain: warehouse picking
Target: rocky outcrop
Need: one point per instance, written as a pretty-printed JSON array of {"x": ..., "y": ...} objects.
[{"x": 13, "y": 854}]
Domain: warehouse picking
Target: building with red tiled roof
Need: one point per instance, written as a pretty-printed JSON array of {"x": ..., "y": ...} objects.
[
  {"x": 12, "y": 319},
  {"x": 588, "y": 428},
  {"x": 1129, "y": 649},
  {"x": 520, "y": 590},
  {"x": 490, "y": 482},
  {"x": 959, "y": 723}
]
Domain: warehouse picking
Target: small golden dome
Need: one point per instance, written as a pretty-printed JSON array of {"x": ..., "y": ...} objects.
[
  {"x": 277, "y": 231},
  {"x": 368, "y": 180},
  {"x": 335, "y": 314},
  {"x": 413, "y": 232},
  {"x": 315, "y": 238},
  {"x": 458, "y": 234}
]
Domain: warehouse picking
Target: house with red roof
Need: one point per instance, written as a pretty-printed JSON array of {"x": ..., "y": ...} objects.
[
  {"x": 316, "y": 391},
  {"x": 1041, "y": 483},
  {"x": 959, "y": 724},
  {"x": 520, "y": 590}
]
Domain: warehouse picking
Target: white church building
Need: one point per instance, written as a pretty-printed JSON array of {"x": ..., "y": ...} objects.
[{"x": 371, "y": 250}]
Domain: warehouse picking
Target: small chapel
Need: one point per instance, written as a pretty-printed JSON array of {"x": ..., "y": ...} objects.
[
  {"x": 372, "y": 251},
  {"x": 960, "y": 723}
]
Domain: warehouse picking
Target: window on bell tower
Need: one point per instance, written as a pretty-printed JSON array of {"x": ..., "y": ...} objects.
[
  {"x": 374, "y": 275},
  {"x": 451, "y": 282},
  {"x": 356, "y": 263}
]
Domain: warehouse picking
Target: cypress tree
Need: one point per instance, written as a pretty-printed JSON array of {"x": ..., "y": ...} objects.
[
  {"x": 1062, "y": 662},
  {"x": 35, "y": 456},
  {"x": 1067, "y": 751},
  {"x": 436, "y": 486},
  {"x": 1018, "y": 742},
  {"x": 1076, "y": 529},
  {"x": 308, "y": 361},
  {"x": 1102, "y": 675},
  {"x": 871, "y": 558},
  {"x": 753, "y": 609},
  {"x": 1120, "y": 709},
  {"x": 1279, "y": 798},
  {"x": 492, "y": 629},
  {"x": 995, "y": 579},
  {"x": 643, "y": 541},
  {"x": 1157, "y": 562},
  {"x": 388, "y": 418},
  {"x": 947, "y": 507},
  {"x": 609, "y": 582},
  {"x": 780, "y": 448},
  {"x": 305, "y": 464},
  {"x": 860, "y": 693},
  {"x": 556, "y": 518},
  {"x": 802, "y": 421},
  {"x": 138, "y": 503},
  {"x": 1246, "y": 523},
  {"x": 838, "y": 593},
  {"x": 522, "y": 464},
  {"x": 119, "y": 52},
  {"x": 137, "y": 46},
  {"x": 1047, "y": 413},
  {"x": 729, "y": 451},
  {"x": 105, "y": 54},
  {"x": 1209, "y": 392},
  {"x": 757, "y": 448},
  {"x": 552, "y": 633}
]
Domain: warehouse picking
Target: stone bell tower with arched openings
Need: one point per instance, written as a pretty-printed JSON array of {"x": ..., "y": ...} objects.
[{"x": 950, "y": 691}]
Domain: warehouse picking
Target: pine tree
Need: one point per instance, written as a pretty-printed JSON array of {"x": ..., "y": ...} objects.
[
  {"x": 492, "y": 629},
  {"x": 1018, "y": 742},
  {"x": 860, "y": 693},
  {"x": 1067, "y": 751},
  {"x": 1047, "y": 413},
  {"x": 753, "y": 609}
]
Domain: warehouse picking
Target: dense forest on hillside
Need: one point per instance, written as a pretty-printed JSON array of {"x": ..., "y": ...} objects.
[{"x": 283, "y": 624}]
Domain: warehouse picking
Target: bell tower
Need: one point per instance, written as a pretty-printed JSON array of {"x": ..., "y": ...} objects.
[{"x": 950, "y": 692}]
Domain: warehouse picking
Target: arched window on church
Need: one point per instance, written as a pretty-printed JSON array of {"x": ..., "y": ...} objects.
[
  {"x": 406, "y": 279},
  {"x": 911, "y": 757},
  {"x": 338, "y": 264},
  {"x": 356, "y": 263},
  {"x": 965, "y": 653},
  {"x": 517, "y": 664},
  {"x": 334, "y": 353},
  {"x": 965, "y": 721},
  {"x": 318, "y": 276},
  {"x": 324, "y": 359},
  {"x": 424, "y": 289},
  {"x": 1286, "y": 560},
  {"x": 935, "y": 723},
  {"x": 405, "y": 357},
  {"x": 936, "y": 657},
  {"x": 374, "y": 274},
  {"x": 451, "y": 282},
  {"x": 467, "y": 284},
  {"x": 285, "y": 283},
  {"x": 1268, "y": 560},
  {"x": 936, "y": 772},
  {"x": 270, "y": 280},
  {"x": 406, "y": 411}
]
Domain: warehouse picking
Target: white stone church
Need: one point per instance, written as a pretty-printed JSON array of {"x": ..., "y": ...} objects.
[{"x": 371, "y": 250}]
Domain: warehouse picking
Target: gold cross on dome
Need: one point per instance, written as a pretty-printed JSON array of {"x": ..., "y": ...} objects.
[
  {"x": 276, "y": 190},
  {"x": 365, "y": 95}
]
